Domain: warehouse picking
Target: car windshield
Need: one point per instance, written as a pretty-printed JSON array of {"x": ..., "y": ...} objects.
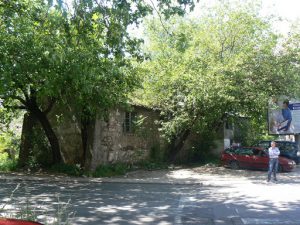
[
  {"x": 283, "y": 146},
  {"x": 286, "y": 147},
  {"x": 239, "y": 151}
]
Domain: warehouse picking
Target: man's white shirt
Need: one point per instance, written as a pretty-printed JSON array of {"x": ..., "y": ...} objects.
[{"x": 273, "y": 153}]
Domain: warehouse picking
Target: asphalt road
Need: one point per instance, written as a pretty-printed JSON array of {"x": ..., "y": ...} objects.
[{"x": 223, "y": 200}]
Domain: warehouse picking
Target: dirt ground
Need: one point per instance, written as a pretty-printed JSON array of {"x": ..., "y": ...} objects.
[{"x": 207, "y": 174}]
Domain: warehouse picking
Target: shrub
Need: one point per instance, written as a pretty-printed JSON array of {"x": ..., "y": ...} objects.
[
  {"x": 72, "y": 170},
  {"x": 111, "y": 170},
  {"x": 7, "y": 164},
  {"x": 152, "y": 165}
]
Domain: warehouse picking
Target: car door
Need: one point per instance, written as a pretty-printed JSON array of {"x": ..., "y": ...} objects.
[
  {"x": 261, "y": 160},
  {"x": 245, "y": 157}
]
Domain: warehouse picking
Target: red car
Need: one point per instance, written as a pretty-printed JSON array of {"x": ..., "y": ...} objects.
[
  {"x": 252, "y": 158},
  {"x": 5, "y": 221}
]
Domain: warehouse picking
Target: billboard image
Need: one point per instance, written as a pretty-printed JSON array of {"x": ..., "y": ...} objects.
[{"x": 284, "y": 116}]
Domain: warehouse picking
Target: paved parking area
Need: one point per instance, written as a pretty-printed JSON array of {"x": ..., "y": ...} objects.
[{"x": 205, "y": 195}]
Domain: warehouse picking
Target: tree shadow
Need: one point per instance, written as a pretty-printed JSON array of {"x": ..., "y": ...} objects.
[{"x": 240, "y": 197}]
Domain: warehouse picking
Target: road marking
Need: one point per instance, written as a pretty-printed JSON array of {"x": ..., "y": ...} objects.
[
  {"x": 181, "y": 204},
  {"x": 269, "y": 221}
]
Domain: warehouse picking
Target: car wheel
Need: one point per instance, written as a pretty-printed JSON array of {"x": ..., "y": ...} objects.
[
  {"x": 280, "y": 169},
  {"x": 234, "y": 165}
]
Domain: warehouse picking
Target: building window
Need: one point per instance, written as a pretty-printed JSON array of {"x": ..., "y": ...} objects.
[
  {"x": 130, "y": 122},
  {"x": 228, "y": 125}
]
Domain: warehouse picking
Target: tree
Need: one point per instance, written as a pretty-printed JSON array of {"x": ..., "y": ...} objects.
[
  {"x": 50, "y": 55},
  {"x": 201, "y": 71}
]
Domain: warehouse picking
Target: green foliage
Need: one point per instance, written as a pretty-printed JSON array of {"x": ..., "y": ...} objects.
[
  {"x": 111, "y": 170},
  {"x": 40, "y": 152},
  {"x": 224, "y": 64},
  {"x": 249, "y": 132},
  {"x": 9, "y": 141},
  {"x": 156, "y": 154},
  {"x": 290, "y": 52},
  {"x": 54, "y": 50},
  {"x": 3, "y": 143},
  {"x": 201, "y": 150},
  {"x": 79, "y": 56},
  {"x": 9, "y": 144},
  {"x": 7, "y": 164}
]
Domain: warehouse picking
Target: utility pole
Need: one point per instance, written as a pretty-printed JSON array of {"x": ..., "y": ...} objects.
[{"x": 297, "y": 139}]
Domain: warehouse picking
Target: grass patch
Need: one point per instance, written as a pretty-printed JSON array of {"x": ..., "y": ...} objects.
[
  {"x": 71, "y": 170},
  {"x": 8, "y": 165},
  {"x": 118, "y": 169},
  {"x": 112, "y": 170},
  {"x": 152, "y": 165}
]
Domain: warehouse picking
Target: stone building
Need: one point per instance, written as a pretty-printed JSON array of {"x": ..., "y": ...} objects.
[{"x": 125, "y": 136}]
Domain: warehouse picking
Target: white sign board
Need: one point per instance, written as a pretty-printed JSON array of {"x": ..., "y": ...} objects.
[{"x": 284, "y": 116}]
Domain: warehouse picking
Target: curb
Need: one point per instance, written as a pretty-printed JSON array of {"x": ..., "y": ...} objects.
[{"x": 24, "y": 177}]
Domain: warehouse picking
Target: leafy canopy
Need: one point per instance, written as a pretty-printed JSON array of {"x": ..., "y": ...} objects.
[
  {"x": 225, "y": 63},
  {"x": 52, "y": 53}
]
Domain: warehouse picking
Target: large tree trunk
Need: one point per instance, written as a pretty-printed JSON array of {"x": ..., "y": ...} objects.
[
  {"x": 49, "y": 132},
  {"x": 29, "y": 122},
  {"x": 87, "y": 134},
  {"x": 177, "y": 144},
  {"x": 84, "y": 137}
]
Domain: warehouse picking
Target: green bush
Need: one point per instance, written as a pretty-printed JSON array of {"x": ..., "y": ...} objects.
[
  {"x": 40, "y": 155},
  {"x": 156, "y": 153},
  {"x": 8, "y": 150},
  {"x": 9, "y": 143},
  {"x": 111, "y": 170},
  {"x": 7, "y": 164},
  {"x": 201, "y": 150}
]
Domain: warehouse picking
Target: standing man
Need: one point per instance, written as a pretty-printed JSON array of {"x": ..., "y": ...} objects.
[
  {"x": 287, "y": 116},
  {"x": 273, "y": 160}
]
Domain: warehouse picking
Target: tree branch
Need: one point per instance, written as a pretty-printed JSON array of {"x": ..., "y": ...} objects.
[
  {"x": 160, "y": 18},
  {"x": 24, "y": 102},
  {"x": 50, "y": 106}
]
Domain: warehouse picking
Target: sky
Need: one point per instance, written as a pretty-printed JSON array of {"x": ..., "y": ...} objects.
[
  {"x": 285, "y": 8},
  {"x": 288, "y": 10}
]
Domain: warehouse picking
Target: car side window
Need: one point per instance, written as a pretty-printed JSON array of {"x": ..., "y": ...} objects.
[
  {"x": 287, "y": 147},
  {"x": 263, "y": 154},
  {"x": 256, "y": 151},
  {"x": 264, "y": 144},
  {"x": 230, "y": 150},
  {"x": 245, "y": 151}
]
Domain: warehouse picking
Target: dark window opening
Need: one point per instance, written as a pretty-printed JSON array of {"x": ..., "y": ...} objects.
[
  {"x": 228, "y": 125},
  {"x": 130, "y": 122}
]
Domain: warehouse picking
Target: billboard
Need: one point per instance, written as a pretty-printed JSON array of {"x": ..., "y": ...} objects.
[{"x": 284, "y": 116}]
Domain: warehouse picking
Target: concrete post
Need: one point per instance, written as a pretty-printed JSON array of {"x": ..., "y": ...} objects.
[{"x": 297, "y": 139}]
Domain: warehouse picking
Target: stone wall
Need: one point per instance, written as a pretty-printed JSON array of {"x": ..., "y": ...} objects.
[
  {"x": 108, "y": 141},
  {"x": 68, "y": 131},
  {"x": 112, "y": 143}
]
